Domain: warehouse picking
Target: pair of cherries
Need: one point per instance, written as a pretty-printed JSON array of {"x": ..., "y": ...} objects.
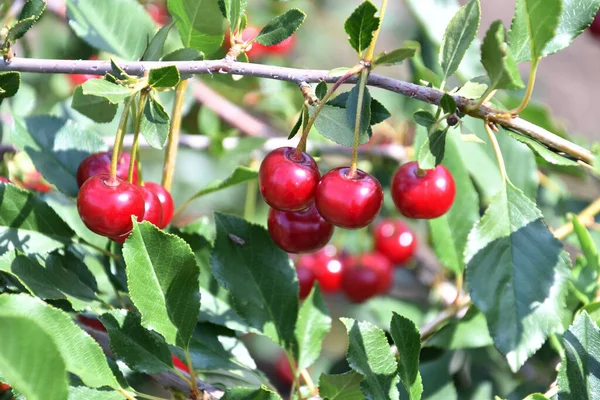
[{"x": 106, "y": 203}]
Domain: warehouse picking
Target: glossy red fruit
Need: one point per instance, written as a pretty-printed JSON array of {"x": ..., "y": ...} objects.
[
  {"x": 595, "y": 27},
  {"x": 423, "y": 194},
  {"x": 80, "y": 79},
  {"x": 284, "y": 371},
  {"x": 106, "y": 204},
  {"x": 99, "y": 163},
  {"x": 283, "y": 48},
  {"x": 301, "y": 231},
  {"x": 4, "y": 179},
  {"x": 180, "y": 365},
  {"x": 328, "y": 267},
  {"x": 4, "y": 387},
  {"x": 306, "y": 280},
  {"x": 159, "y": 14},
  {"x": 91, "y": 322},
  {"x": 165, "y": 200},
  {"x": 395, "y": 240},
  {"x": 152, "y": 206},
  {"x": 287, "y": 183},
  {"x": 378, "y": 263},
  {"x": 349, "y": 203},
  {"x": 367, "y": 275}
]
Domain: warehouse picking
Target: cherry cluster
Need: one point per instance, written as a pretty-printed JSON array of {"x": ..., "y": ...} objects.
[
  {"x": 363, "y": 276},
  {"x": 106, "y": 203},
  {"x": 306, "y": 206}
]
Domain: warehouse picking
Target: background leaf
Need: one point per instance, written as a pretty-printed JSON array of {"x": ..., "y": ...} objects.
[
  {"x": 164, "y": 77},
  {"x": 361, "y": 25},
  {"x": 156, "y": 47},
  {"x": 352, "y": 109},
  {"x": 433, "y": 149},
  {"x": 333, "y": 124},
  {"x": 155, "y": 124},
  {"x": 542, "y": 151},
  {"x": 407, "y": 339},
  {"x": 250, "y": 394},
  {"x": 110, "y": 91},
  {"x": 312, "y": 326},
  {"x": 98, "y": 109},
  {"x": 200, "y": 23},
  {"x": 498, "y": 60},
  {"x": 281, "y": 27},
  {"x": 395, "y": 57},
  {"x": 9, "y": 84},
  {"x": 341, "y": 387},
  {"x": 82, "y": 392},
  {"x": 468, "y": 332},
  {"x": 233, "y": 10},
  {"x": 239, "y": 175}
]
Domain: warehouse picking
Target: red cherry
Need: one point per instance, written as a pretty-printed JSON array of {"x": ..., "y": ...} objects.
[
  {"x": 395, "y": 240},
  {"x": 284, "y": 371},
  {"x": 4, "y": 179},
  {"x": 158, "y": 13},
  {"x": 91, "y": 322},
  {"x": 376, "y": 262},
  {"x": 306, "y": 280},
  {"x": 282, "y": 48},
  {"x": 328, "y": 267},
  {"x": 4, "y": 387},
  {"x": 180, "y": 365},
  {"x": 595, "y": 26},
  {"x": 257, "y": 50},
  {"x": 152, "y": 206},
  {"x": 165, "y": 200},
  {"x": 287, "y": 183},
  {"x": 367, "y": 275},
  {"x": 423, "y": 194},
  {"x": 80, "y": 79},
  {"x": 349, "y": 203},
  {"x": 106, "y": 204},
  {"x": 99, "y": 163},
  {"x": 299, "y": 231}
]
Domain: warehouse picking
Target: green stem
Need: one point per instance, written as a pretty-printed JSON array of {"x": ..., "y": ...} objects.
[
  {"x": 295, "y": 374},
  {"x": 529, "y": 90},
  {"x": 136, "y": 135},
  {"x": 119, "y": 138},
  {"x": 99, "y": 249},
  {"x": 497, "y": 151},
  {"x": 302, "y": 143},
  {"x": 371, "y": 50},
  {"x": 173, "y": 141},
  {"x": 188, "y": 360},
  {"x": 364, "y": 75}
]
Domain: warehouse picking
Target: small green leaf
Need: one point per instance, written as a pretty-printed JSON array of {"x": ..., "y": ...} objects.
[
  {"x": 543, "y": 151},
  {"x": 155, "y": 124},
  {"x": 164, "y": 77},
  {"x": 333, "y": 124},
  {"x": 460, "y": 33},
  {"x": 233, "y": 11},
  {"x": 352, "y": 109},
  {"x": 395, "y": 57},
  {"x": 30, "y": 360},
  {"x": 588, "y": 246},
  {"x": 200, "y": 23},
  {"x": 141, "y": 349},
  {"x": 32, "y": 8},
  {"x": 407, "y": 339},
  {"x": 341, "y": 387},
  {"x": 162, "y": 276},
  {"x": 369, "y": 354},
  {"x": 361, "y": 25},
  {"x": 281, "y": 27},
  {"x": 448, "y": 104},
  {"x": 579, "y": 373},
  {"x": 433, "y": 149},
  {"x": 155, "y": 49},
  {"x": 110, "y": 91},
  {"x": 239, "y": 175},
  {"x": 250, "y": 394},
  {"x": 9, "y": 84},
  {"x": 378, "y": 111},
  {"x": 468, "y": 332},
  {"x": 321, "y": 90},
  {"x": 98, "y": 109},
  {"x": 297, "y": 125},
  {"x": 424, "y": 118},
  {"x": 259, "y": 276},
  {"x": 498, "y": 60},
  {"x": 32, "y": 11},
  {"x": 312, "y": 326}
]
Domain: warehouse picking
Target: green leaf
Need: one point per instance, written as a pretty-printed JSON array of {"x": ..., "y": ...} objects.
[
  {"x": 424, "y": 118},
  {"x": 281, "y": 27},
  {"x": 510, "y": 245},
  {"x": 56, "y": 146},
  {"x": 9, "y": 84},
  {"x": 543, "y": 151},
  {"x": 378, "y": 111},
  {"x": 200, "y": 23},
  {"x": 536, "y": 396},
  {"x": 239, "y": 175},
  {"x": 369, "y": 354},
  {"x": 162, "y": 276},
  {"x": 119, "y": 27},
  {"x": 297, "y": 125},
  {"x": 259, "y": 276},
  {"x": 533, "y": 27},
  {"x": 579, "y": 373},
  {"x": 468, "y": 332},
  {"x": 155, "y": 124},
  {"x": 361, "y": 25},
  {"x": 250, "y": 394},
  {"x": 102, "y": 88},
  {"x": 164, "y": 77},
  {"x": 98, "y": 109},
  {"x": 341, "y": 387},
  {"x": 352, "y": 109},
  {"x": 155, "y": 49},
  {"x": 450, "y": 231},
  {"x": 333, "y": 124},
  {"x": 32, "y": 11},
  {"x": 407, "y": 339},
  {"x": 433, "y": 149},
  {"x": 498, "y": 60},
  {"x": 586, "y": 242},
  {"x": 321, "y": 90},
  {"x": 233, "y": 11},
  {"x": 437, "y": 381},
  {"x": 141, "y": 349},
  {"x": 185, "y": 54},
  {"x": 395, "y": 57},
  {"x": 312, "y": 326},
  {"x": 460, "y": 33},
  {"x": 28, "y": 224},
  {"x": 81, "y": 354},
  {"x": 82, "y": 392},
  {"x": 30, "y": 360},
  {"x": 448, "y": 104}
]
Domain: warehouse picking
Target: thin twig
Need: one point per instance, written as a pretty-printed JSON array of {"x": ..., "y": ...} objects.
[{"x": 421, "y": 93}]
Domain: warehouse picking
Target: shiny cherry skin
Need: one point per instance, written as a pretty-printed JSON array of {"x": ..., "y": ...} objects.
[
  {"x": 92, "y": 322},
  {"x": 168, "y": 207},
  {"x": 99, "y": 163},
  {"x": 424, "y": 194},
  {"x": 367, "y": 275},
  {"x": 306, "y": 280},
  {"x": 395, "y": 240},
  {"x": 301, "y": 231},
  {"x": 328, "y": 267},
  {"x": 346, "y": 202},
  {"x": 106, "y": 204},
  {"x": 595, "y": 26},
  {"x": 180, "y": 365},
  {"x": 284, "y": 371},
  {"x": 152, "y": 206},
  {"x": 287, "y": 183}
]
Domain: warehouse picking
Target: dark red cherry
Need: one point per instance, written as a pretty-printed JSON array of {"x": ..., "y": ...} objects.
[
  {"x": 377, "y": 262},
  {"x": 4, "y": 179},
  {"x": 306, "y": 280},
  {"x": 99, "y": 163},
  {"x": 165, "y": 200},
  {"x": 92, "y": 322},
  {"x": 395, "y": 240},
  {"x": 423, "y": 194},
  {"x": 595, "y": 27},
  {"x": 346, "y": 202},
  {"x": 284, "y": 371},
  {"x": 287, "y": 183},
  {"x": 367, "y": 275},
  {"x": 4, "y": 387},
  {"x": 106, "y": 204},
  {"x": 301, "y": 231},
  {"x": 152, "y": 206},
  {"x": 180, "y": 365},
  {"x": 328, "y": 267}
]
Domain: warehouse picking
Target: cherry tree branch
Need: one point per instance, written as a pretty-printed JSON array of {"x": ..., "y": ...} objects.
[{"x": 296, "y": 75}]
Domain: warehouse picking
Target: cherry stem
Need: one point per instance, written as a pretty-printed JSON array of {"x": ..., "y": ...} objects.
[
  {"x": 432, "y": 327},
  {"x": 529, "y": 91},
  {"x": 99, "y": 249},
  {"x": 497, "y": 151},
  {"x": 190, "y": 366},
  {"x": 309, "y": 382},
  {"x": 119, "y": 138},
  {"x": 364, "y": 75},
  {"x": 371, "y": 50},
  {"x": 295, "y": 373},
  {"x": 174, "y": 132},
  {"x": 136, "y": 135},
  {"x": 586, "y": 217},
  {"x": 302, "y": 143}
]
